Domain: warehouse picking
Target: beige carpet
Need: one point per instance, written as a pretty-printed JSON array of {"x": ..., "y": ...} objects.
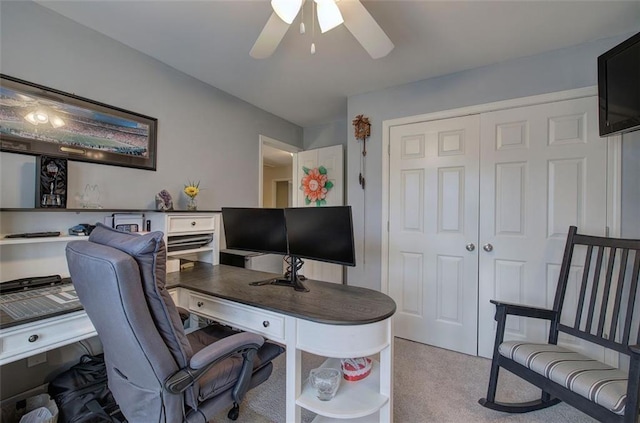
[{"x": 430, "y": 385}]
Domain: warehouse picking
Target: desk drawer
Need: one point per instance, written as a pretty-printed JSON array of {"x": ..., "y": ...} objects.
[
  {"x": 25, "y": 340},
  {"x": 237, "y": 315},
  {"x": 190, "y": 223}
]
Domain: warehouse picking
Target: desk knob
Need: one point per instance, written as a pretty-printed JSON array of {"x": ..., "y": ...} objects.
[
  {"x": 265, "y": 323},
  {"x": 33, "y": 338},
  {"x": 200, "y": 303}
]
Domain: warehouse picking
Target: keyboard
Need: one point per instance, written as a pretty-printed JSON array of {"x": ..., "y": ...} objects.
[{"x": 39, "y": 303}]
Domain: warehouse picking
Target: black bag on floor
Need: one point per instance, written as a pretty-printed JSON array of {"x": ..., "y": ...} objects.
[{"x": 82, "y": 395}]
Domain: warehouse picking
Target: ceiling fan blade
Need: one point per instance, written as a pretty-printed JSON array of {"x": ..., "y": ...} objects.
[
  {"x": 364, "y": 28},
  {"x": 269, "y": 38}
]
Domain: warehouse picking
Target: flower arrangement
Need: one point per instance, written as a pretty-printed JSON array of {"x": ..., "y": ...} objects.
[
  {"x": 315, "y": 185},
  {"x": 191, "y": 190}
]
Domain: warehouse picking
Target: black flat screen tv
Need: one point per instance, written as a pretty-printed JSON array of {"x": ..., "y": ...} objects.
[
  {"x": 619, "y": 88},
  {"x": 252, "y": 229}
]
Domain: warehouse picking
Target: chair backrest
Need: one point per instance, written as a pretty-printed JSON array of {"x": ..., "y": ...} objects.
[
  {"x": 608, "y": 302},
  {"x": 119, "y": 278}
]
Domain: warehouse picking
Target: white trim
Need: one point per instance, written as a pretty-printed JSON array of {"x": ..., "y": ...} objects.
[
  {"x": 498, "y": 105},
  {"x": 613, "y": 145},
  {"x": 614, "y": 191},
  {"x": 272, "y": 142},
  {"x": 614, "y": 204}
]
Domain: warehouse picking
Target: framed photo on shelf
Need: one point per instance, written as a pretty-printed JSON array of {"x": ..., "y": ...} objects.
[{"x": 38, "y": 120}]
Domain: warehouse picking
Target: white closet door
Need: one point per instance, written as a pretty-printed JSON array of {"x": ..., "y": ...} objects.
[
  {"x": 332, "y": 159},
  {"x": 433, "y": 217},
  {"x": 511, "y": 189},
  {"x": 543, "y": 168}
]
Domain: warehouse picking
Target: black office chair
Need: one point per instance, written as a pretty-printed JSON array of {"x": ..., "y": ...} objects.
[{"x": 155, "y": 372}]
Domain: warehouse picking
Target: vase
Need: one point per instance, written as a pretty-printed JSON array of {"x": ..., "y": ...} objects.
[{"x": 192, "y": 204}]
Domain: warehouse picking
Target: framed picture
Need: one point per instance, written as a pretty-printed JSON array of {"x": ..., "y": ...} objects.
[{"x": 38, "y": 120}]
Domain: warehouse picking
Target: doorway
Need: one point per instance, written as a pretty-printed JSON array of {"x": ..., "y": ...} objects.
[{"x": 275, "y": 173}]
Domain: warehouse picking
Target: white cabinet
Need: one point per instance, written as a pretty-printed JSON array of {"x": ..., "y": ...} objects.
[{"x": 192, "y": 235}]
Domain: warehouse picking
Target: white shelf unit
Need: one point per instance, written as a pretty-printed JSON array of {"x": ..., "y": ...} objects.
[
  {"x": 179, "y": 224},
  {"x": 353, "y": 400},
  {"x": 60, "y": 238},
  {"x": 44, "y": 256},
  {"x": 367, "y": 400},
  {"x": 31, "y": 257}
]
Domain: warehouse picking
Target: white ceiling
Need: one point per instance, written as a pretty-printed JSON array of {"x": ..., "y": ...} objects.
[{"x": 210, "y": 40}]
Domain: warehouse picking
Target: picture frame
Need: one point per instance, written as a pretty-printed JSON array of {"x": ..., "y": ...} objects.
[{"x": 38, "y": 120}]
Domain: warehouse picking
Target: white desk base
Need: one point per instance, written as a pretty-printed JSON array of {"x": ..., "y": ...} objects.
[{"x": 359, "y": 401}]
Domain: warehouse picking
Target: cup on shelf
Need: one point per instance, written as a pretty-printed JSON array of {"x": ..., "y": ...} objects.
[{"x": 325, "y": 381}]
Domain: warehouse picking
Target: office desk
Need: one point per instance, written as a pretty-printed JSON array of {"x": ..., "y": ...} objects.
[{"x": 334, "y": 321}]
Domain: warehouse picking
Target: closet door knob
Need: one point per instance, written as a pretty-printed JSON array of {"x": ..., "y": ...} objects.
[
  {"x": 487, "y": 247},
  {"x": 470, "y": 247}
]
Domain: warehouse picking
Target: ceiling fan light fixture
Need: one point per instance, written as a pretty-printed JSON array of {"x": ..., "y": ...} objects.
[
  {"x": 287, "y": 10},
  {"x": 329, "y": 15}
]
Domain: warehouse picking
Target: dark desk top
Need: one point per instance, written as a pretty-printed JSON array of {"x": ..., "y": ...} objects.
[{"x": 326, "y": 302}]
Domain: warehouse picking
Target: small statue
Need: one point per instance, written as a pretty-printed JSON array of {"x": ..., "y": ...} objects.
[{"x": 164, "y": 202}]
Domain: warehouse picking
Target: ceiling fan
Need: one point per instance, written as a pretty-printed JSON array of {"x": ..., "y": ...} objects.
[{"x": 330, "y": 13}]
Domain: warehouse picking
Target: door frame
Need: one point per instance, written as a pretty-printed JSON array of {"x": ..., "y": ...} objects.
[
  {"x": 272, "y": 142},
  {"x": 614, "y": 159},
  {"x": 274, "y": 189}
]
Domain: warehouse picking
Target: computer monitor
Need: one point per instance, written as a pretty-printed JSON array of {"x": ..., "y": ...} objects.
[
  {"x": 316, "y": 233},
  {"x": 321, "y": 233},
  {"x": 253, "y": 229}
]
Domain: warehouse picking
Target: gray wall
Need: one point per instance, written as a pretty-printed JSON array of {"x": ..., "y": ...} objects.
[
  {"x": 204, "y": 134},
  {"x": 558, "y": 70},
  {"x": 326, "y": 135}
]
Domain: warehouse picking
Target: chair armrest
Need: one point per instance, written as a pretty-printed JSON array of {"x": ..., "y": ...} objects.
[
  {"x": 212, "y": 354},
  {"x": 224, "y": 347},
  {"x": 523, "y": 310},
  {"x": 635, "y": 349}
]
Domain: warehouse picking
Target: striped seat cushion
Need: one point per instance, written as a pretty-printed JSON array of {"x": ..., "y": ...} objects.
[{"x": 605, "y": 385}]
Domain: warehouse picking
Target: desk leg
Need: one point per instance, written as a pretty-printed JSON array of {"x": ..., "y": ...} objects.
[
  {"x": 294, "y": 370},
  {"x": 386, "y": 384},
  {"x": 386, "y": 378}
]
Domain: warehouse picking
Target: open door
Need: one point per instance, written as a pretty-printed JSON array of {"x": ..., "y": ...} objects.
[{"x": 309, "y": 169}]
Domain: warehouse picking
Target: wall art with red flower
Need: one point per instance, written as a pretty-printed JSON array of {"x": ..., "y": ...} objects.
[{"x": 315, "y": 184}]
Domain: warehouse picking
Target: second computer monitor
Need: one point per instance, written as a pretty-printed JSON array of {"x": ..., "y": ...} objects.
[{"x": 321, "y": 233}]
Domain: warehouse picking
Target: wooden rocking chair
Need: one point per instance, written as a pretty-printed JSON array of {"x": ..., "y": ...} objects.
[{"x": 608, "y": 314}]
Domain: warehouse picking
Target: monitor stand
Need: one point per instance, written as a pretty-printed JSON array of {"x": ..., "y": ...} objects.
[{"x": 291, "y": 278}]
